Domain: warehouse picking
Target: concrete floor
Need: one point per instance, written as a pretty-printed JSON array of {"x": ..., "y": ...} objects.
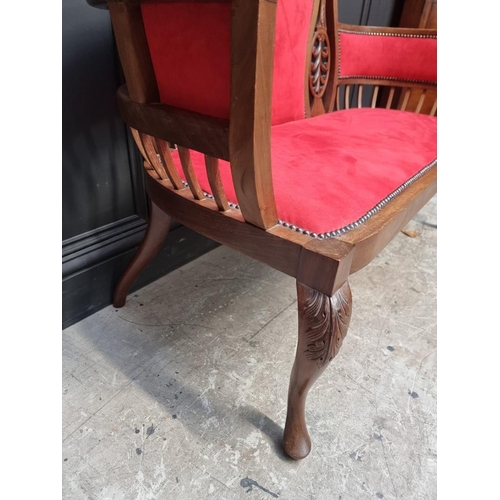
[{"x": 182, "y": 393}]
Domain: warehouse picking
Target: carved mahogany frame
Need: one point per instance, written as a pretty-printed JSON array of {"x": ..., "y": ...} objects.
[{"x": 321, "y": 267}]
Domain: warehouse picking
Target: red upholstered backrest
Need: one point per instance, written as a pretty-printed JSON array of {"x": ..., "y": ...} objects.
[
  {"x": 399, "y": 57},
  {"x": 190, "y": 50},
  {"x": 189, "y": 46}
]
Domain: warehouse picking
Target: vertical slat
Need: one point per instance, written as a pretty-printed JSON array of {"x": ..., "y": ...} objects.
[
  {"x": 360, "y": 96},
  {"x": 421, "y": 101},
  {"x": 434, "y": 108},
  {"x": 168, "y": 163},
  {"x": 406, "y": 99},
  {"x": 138, "y": 142},
  {"x": 390, "y": 98},
  {"x": 337, "y": 98},
  {"x": 347, "y": 96},
  {"x": 152, "y": 154},
  {"x": 375, "y": 95},
  {"x": 187, "y": 167},
  {"x": 215, "y": 181}
]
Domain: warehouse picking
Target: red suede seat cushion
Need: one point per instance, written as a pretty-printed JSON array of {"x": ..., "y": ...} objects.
[{"x": 332, "y": 170}]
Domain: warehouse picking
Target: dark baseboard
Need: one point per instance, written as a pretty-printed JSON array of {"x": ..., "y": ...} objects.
[{"x": 93, "y": 263}]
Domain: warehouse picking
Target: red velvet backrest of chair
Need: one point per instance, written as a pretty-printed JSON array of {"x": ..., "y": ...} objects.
[
  {"x": 190, "y": 50},
  {"x": 404, "y": 57}
]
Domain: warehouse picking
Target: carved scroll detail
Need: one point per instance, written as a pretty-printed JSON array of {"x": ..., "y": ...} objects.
[
  {"x": 320, "y": 56},
  {"x": 327, "y": 321}
]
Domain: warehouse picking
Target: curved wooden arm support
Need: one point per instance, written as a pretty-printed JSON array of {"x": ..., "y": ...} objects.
[{"x": 203, "y": 133}]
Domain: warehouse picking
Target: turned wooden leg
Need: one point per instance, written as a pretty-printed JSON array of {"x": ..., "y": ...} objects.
[
  {"x": 323, "y": 323},
  {"x": 156, "y": 232}
]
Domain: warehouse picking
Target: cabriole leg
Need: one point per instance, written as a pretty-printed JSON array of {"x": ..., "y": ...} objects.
[
  {"x": 323, "y": 323},
  {"x": 156, "y": 232}
]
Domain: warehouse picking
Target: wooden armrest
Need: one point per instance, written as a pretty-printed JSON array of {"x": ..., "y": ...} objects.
[
  {"x": 206, "y": 134},
  {"x": 387, "y": 30}
]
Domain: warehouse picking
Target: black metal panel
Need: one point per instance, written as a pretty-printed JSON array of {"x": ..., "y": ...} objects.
[
  {"x": 97, "y": 178},
  {"x": 353, "y": 11},
  {"x": 370, "y": 12},
  {"x": 91, "y": 289},
  {"x": 384, "y": 12}
]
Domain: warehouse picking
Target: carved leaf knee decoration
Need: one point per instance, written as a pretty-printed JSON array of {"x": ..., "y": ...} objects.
[{"x": 327, "y": 320}]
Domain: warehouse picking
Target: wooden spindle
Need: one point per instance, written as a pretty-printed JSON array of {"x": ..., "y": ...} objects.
[
  {"x": 390, "y": 98},
  {"x": 152, "y": 155},
  {"x": 421, "y": 101},
  {"x": 337, "y": 98},
  {"x": 347, "y": 96},
  {"x": 375, "y": 95},
  {"x": 168, "y": 163},
  {"x": 215, "y": 181},
  {"x": 406, "y": 99},
  {"x": 187, "y": 167},
  {"x": 138, "y": 142},
  {"x": 434, "y": 108},
  {"x": 360, "y": 96}
]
